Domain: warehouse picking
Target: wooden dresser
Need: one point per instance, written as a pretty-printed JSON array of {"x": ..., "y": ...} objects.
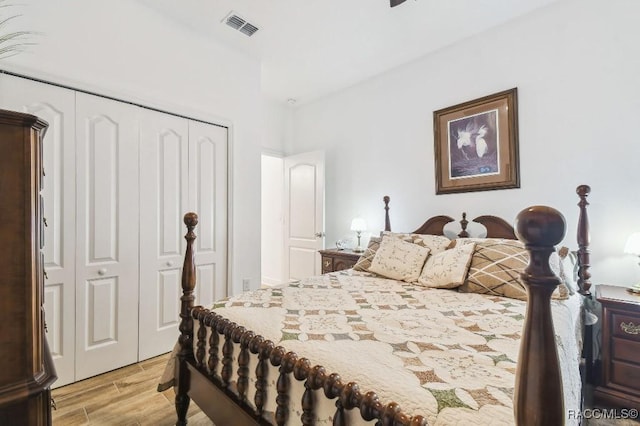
[
  {"x": 337, "y": 260},
  {"x": 27, "y": 370},
  {"x": 620, "y": 385}
]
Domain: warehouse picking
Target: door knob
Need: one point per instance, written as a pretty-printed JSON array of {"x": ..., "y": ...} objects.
[
  {"x": 102, "y": 271},
  {"x": 169, "y": 263},
  {"x": 319, "y": 234}
]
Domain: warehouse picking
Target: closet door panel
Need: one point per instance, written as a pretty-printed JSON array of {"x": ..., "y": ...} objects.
[
  {"x": 164, "y": 152},
  {"x": 107, "y": 235},
  {"x": 208, "y": 197},
  {"x": 56, "y": 106}
]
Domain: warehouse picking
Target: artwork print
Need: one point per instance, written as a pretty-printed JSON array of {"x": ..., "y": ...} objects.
[
  {"x": 473, "y": 146},
  {"x": 476, "y": 144}
]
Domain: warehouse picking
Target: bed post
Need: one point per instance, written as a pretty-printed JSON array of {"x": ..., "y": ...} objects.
[
  {"x": 538, "y": 398},
  {"x": 186, "y": 322},
  {"x": 387, "y": 222},
  {"x": 584, "y": 262}
]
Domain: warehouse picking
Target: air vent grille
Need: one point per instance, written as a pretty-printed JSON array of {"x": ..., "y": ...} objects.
[
  {"x": 235, "y": 22},
  {"x": 238, "y": 23},
  {"x": 248, "y": 29}
]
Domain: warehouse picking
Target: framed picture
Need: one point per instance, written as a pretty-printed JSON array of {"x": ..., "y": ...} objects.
[{"x": 476, "y": 144}]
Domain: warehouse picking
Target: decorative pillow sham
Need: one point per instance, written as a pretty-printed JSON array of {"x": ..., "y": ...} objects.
[
  {"x": 437, "y": 243},
  {"x": 496, "y": 266},
  {"x": 399, "y": 260},
  {"x": 364, "y": 262},
  {"x": 447, "y": 269}
]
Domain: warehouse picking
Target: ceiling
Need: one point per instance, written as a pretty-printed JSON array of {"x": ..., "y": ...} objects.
[{"x": 309, "y": 48}]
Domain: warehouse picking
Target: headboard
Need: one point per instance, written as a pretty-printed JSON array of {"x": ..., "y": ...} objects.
[
  {"x": 496, "y": 226},
  {"x": 500, "y": 228}
]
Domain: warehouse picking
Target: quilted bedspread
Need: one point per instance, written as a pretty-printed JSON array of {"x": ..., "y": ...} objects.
[{"x": 446, "y": 355}]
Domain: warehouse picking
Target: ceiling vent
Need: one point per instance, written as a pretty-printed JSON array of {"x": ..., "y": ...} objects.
[{"x": 238, "y": 23}]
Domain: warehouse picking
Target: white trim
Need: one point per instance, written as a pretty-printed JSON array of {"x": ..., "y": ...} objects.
[{"x": 230, "y": 221}]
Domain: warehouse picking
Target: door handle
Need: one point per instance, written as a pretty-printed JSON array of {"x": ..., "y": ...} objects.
[
  {"x": 169, "y": 263},
  {"x": 102, "y": 271},
  {"x": 319, "y": 234}
]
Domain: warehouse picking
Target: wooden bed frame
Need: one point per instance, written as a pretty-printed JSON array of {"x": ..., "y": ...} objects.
[{"x": 538, "y": 398}]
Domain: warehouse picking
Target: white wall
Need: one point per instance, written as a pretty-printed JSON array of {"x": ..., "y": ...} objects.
[
  {"x": 575, "y": 64},
  {"x": 272, "y": 220},
  {"x": 122, "y": 49}
]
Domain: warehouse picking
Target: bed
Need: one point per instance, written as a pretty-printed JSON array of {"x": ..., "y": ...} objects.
[{"x": 357, "y": 347}]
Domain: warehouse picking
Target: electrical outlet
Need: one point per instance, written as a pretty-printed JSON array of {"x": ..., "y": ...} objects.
[{"x": 246, "y": 284}]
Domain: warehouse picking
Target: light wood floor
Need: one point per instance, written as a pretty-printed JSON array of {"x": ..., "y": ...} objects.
[
  {"x": 124, "y": 397},
  {"x": 128, "y": 397}
]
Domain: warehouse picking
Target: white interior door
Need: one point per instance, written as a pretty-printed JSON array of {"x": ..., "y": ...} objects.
[
  {"x": 303, "y": 214},
  {"x": 208, "y": 198},
  {"x": 107, "y": 235},
  {"x": 57, "y": 106},
  {"x": 164, "y": 175}
]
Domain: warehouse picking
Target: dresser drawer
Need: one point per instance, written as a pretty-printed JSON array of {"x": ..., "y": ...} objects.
[{"x": 625, "y": 326}]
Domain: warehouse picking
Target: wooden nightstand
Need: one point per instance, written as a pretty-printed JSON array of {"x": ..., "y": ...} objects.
[
  {"x": 620, "y": 385},
  {"x": 337, "y": 260}
]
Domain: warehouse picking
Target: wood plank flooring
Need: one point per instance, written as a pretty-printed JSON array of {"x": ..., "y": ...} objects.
[{"x": 126, "y": 397}]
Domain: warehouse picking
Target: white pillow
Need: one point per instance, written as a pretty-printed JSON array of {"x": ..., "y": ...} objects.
[
  {"x": 399, "y": 260},
  {"x": 437, "y": 243},
  {"x": 449, "y": 268}
]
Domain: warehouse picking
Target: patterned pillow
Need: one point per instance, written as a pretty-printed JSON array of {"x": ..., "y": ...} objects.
[
  {"x": 437, "y": 243},
  {"x": 364, "y": 262},
  {"x": 399, "y": 260},
  {"x": 447, "y": 269},
  {"x": 496, "y": 266}
]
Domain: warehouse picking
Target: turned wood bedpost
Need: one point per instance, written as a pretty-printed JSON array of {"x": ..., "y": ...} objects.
[
  {"x": 186, "y": 322},
  {"x": 387, "y": 222},
  {"x": 584, "y": 238},
  {"x": 538, "y": 398}
]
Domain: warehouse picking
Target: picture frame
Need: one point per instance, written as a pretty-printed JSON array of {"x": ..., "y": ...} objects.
[{"x": 476, "y": 144}]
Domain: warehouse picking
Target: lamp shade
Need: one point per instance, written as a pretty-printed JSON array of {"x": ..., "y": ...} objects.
[
  {"x": 358, "y": 224},
  {"x": 633, "y": 244}
]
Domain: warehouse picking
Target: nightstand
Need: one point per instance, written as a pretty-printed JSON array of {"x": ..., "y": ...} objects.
[
  {"x": 337, "y": 260},
  {"x": 620, "y": 385}
]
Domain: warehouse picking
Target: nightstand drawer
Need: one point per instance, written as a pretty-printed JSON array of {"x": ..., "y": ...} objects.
[
  {"x": 625, "y": 326},
  {"x": 623, "y": 374},
  {"x": 337, "y": 260},
  {"x": 625, "y": 350},
  {"x": 327, "y": 264}
]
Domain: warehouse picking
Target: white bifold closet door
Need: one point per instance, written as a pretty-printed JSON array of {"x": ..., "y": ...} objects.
[
  {"x": 183, "y": 167},
  {"x": 164, "y": 179},
  {"x": 56, "y": 106},
  {"x": 208, "y": 198},
  {"x": 114, "y": 244},
  {"x": 107, "y": 235}
]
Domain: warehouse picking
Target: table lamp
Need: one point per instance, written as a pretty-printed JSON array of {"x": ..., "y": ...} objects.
[
  {"x": 633, "y": 244},
  {"x": 358, "y": 224},
  {"x": 633, "y": 247}
]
